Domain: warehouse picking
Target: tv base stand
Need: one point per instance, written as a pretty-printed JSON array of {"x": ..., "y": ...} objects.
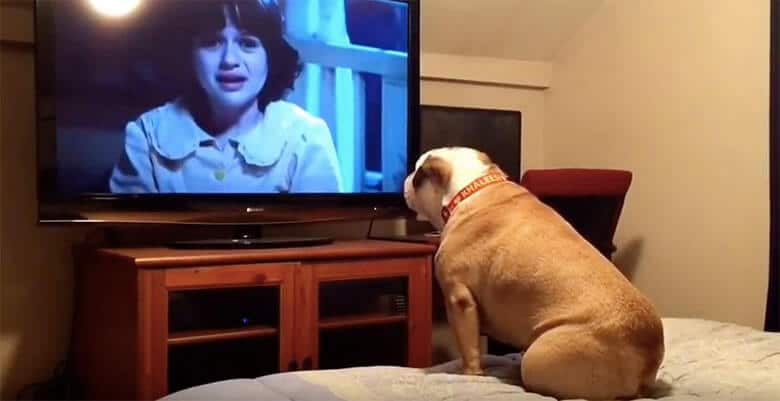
[
  {"x": 251, "y": 237},
  {"x": 246, "y": 242}
]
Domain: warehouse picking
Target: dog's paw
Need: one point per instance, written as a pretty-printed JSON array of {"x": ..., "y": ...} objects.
[{"x": 473, "y": 371}]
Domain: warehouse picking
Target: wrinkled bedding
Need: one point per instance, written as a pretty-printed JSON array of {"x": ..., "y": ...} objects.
[{"x": 705, "y": 360}]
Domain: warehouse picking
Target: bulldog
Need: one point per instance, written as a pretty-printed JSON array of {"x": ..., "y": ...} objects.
[{"x": 513, "y": 269}]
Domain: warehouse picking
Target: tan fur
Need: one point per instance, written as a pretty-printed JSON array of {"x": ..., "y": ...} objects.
[{"x": 510, "y": 267}]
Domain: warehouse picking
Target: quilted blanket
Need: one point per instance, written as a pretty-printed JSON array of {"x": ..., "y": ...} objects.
[{"x": 705, "y": 360}]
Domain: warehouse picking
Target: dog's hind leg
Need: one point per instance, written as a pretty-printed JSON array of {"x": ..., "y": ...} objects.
[
  {"x": 569, "y": 364},
  {"x": 463, "y": 319}
]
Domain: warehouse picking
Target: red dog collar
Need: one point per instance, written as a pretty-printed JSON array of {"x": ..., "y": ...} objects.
[{"x": 469, "y": 190}]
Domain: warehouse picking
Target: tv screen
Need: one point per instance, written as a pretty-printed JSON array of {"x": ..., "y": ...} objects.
[{"x": 245, "y": 100}]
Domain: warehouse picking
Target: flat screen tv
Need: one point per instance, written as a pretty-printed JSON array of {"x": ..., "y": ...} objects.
[{"x": 224, "y": 111}]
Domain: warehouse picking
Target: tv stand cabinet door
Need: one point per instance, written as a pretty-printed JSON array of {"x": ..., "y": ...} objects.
[
  {"x": 415, "y": 270},
  {"x": 281, "y": 275}
]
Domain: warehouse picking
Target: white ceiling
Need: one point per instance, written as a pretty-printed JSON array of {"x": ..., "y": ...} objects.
[{"x": 515, "y": 29}]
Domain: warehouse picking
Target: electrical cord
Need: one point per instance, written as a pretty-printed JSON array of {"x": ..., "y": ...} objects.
[
  {"x": 379, "y": 215},
  {"x": 63, "y": 383},
  {"x": 61, "y": 386},
  {"x": 370, "y": 226}
]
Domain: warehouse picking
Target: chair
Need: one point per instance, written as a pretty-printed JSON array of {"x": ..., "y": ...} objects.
[{"x": 591, "y": 200}]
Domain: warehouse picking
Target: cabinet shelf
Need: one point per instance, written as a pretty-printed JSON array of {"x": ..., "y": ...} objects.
[
  {"x": 365, "y": 319},
  {"x": 203, "y": 336}
]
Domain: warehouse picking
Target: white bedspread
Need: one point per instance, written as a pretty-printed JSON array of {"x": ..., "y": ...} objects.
[{"x": 705, "y": 360}]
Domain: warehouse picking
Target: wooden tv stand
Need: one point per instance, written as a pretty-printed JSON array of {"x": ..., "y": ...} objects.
[{"x": 150, "y": 321}]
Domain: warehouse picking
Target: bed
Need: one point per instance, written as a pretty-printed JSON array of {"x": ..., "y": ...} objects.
[{"x": 705, "y": 360}]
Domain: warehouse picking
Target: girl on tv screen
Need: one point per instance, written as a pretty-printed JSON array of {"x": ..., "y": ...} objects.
[{"x": 231, "y": 132}]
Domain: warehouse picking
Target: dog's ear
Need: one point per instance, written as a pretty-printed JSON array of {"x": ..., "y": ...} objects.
[
  {"x": 435, "y": 169},
  {"x": 484, "y": 158},
  {"x": 493, "y": 168}
]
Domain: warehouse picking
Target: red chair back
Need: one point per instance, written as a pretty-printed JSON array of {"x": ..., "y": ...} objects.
[{"x": 591, "y": 200}]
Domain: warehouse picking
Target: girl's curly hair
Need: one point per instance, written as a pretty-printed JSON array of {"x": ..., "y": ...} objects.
[{"x": 262, "y": 18}]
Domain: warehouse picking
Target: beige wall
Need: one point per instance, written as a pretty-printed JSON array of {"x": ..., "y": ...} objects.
[
  {"x": 36, "y": 281},
  {"x": 677, "y": 92}
]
